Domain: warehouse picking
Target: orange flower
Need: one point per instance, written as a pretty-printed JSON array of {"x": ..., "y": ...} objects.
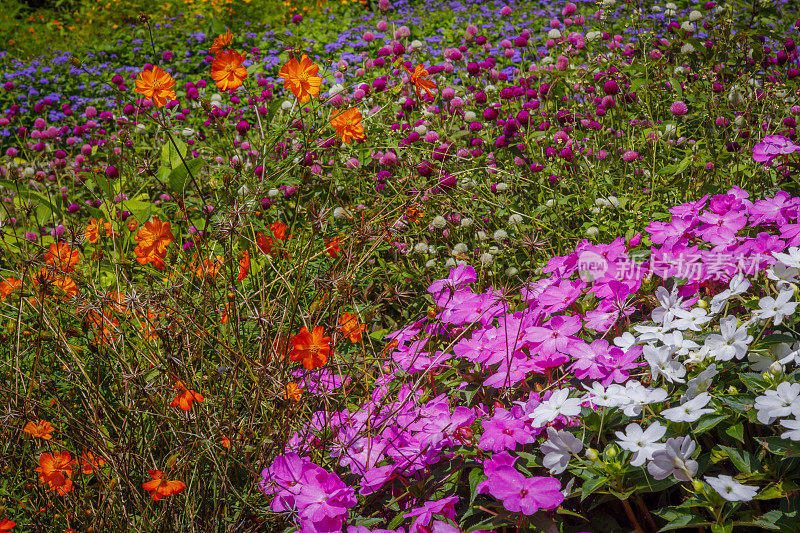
[
  {"x": 244, "y": 265},
  {"x": 7, "y": 286},
  {"x": 62, "y": 257},
  {"x": 7, "y": 524},
  {"x": 417, "y": 78},
  {"x": 301, "y": 78},
  {"x": 333, "y": 248},
  {"x": 312, "y": 348},
  {"x": 41, "y": 429},
  {"x": 225, "y": 442},
  {"x": 348, "y": 124},
  {"x": 279, "y": 230},
  {"x": 265, "y": 242},
  {"x": 156, "y": 84},
  {"x": 90, "y": 462},
  {"x": 208, "y": 267},
  {"x": 56, "y": 471},
  {"x": 293, "y": 391},
  {"x": 350, "y": 327},
  {"x": 153, "y": 238},
  {"x": 185, "y": 397},
  {"x": 414, "y": 215},
  {"x": 227, "y": 70},
  {"x": 52, "y": 284},
  {"x": 162, "y": 487},
  {"x": 148, "y": 331},
  {"x": 221, "y": 42},
  {"x": 92, "y": 231}
]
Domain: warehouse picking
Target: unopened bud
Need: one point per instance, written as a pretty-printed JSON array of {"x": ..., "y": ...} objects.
[
  {"x": 776, "y": 369},
  {"x": 592, "y": 454}
]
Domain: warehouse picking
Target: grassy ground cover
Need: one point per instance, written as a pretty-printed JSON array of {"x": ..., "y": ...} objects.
[{"x": 405, "y": 266}]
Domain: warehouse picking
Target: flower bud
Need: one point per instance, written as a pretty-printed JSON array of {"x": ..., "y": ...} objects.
[
  {"x": 592, "y": 454},
  {"x": 776, "y": 369}
]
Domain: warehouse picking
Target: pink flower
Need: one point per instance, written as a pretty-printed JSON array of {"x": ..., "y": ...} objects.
[
  {"x": 772, "y": 146},
  {"x": 678, "y": 108},
  {"x": 524, "y": 494}
]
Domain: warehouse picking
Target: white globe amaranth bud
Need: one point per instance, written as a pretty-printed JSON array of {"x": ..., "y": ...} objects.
[
  {"x": 481, "y": 235},
  {"x": 501, "y": 187},
  {"x": 511, "y": 271},
  {"x": 614, "y": 201},
  {"x": 470, "y": 116},
  {"x": 286, "y": 105},
  {"x": 460, "y": 248},
  {"x": 550, "y": 203},
  {"x": 515, "y": 219},
  {"x": 430, "y": 263},
  {"x": 500, "y": 235},
  {"x": 439, "y": 222},
  {"x": 486, "y": 259},
  {"x": 592, "y": 231},
  {"x": 494, "y": 250},
  {"x": 421, "y": 247},
  {"x": 695, "y": 15},
  {"x": 466, "y": 222},
  {"x": 272, "y": 193},
  {"x": 450, "y": 262},
  {"x": 554, "y": 34}
]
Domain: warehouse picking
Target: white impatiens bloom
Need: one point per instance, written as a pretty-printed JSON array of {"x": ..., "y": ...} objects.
[
  {"x": 677, "y": 343},
  {"x": 633, "y": 396},
  {"x": 599, "y": 396},
  {"x": 692, "y": 320},
  {"x": 783, "y": 274},
  {"x": 731, "y": 342},
  {"x": 663, "y": 364},
  {"x": 559, "y": 448},
  {"x": 700, "y": 383},
  {"x": 559, "y": 403},
  {"x": 774, "y": 404},
  {"x": 785, "y": 353},
  {"x": 794, "y": 429},
  {"x": 643, "y": 443},
  {"x": 625, "y": 342},
  {"x": 738, "y": 285},
  {"x": 776, "y": 308},
  {"x": 790, "y": 259},
  {"x": 731, "y": 490},
  {"x": 670, "y": 301},
  {"x": 674, "y": 460},
  {"x": 690, "y": 411}
]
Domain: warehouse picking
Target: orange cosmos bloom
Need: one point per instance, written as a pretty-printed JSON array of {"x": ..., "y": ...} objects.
[
  {"x": 417, "y": 78},
  {"x": 185, "y": 396},
  {"x": 161, "y": 486},
  {"x": 350, "y": 327},
  {"x": 221, "y": 42},
  {"x": 293, "y": 391},
  {"x": 279, "y": 230},
  {"x": 40, "y": 429},
  {"x": 264, "y": 243},
  {"x": 227, "y": 70},
  {"x": 156, "y": 84},
  {"x": 313, "y": 349},
  {"x": 90, "y": 462},
  {"x": 7, "y": 524},
  {"x": 301, "y": 78},
  {"x": 225, "y": 442},
  {"x": 348, "y": 124},
  {"x": 56, "y": 471},
  {"x": 49, "y": 283},
  {"x": 92, "y": 231},
  {"x": 208, "y": 267},
  {"x": 244, "y": 266},
  {"x": 333, "y": 248},
  {"x": 8, "y": 286},
  {"x": 62, "y": 257},
  {"x": 153, "y": 238}
]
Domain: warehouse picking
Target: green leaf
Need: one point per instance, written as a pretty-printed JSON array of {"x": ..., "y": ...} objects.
[
  {"x": 708, "y": 422},
  {"x": 475, "y": 477},
  {"x": 678, "y": 518},
  {"x": 171, "y": 154},
  {"x": 782, "y": 447},
  {"x": 736, "y": 431},
  {"x": 591, "y": 485},
  {"x": 777, "y": 490},
  {"x": 179, "y": 176},
  {"x": 743, "y": 460},
  {"x": 721, "y": 528}
]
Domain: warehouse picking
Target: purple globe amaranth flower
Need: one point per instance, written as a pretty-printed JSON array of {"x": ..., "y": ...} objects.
[
  {"x": 678, "y": 108},
  {"x": 772, "y": 146}
]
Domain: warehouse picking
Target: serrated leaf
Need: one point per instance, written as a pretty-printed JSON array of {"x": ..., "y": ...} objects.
[
  {"x": 475, "y": 477},
  {"x": 736, "y": 432}
]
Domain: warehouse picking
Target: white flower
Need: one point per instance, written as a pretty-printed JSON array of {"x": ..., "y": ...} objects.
[
  {"x": 421, "y": 248},
  {"x": 642, "y": 443},
  {"x": 460, "y": 248},
  {"x": 597, "y": 395},
  {"x": 272, "y": 193},
  {"x": 470, "y": 116},
  {"x": 695, "y": 15},
  {"x": 687, "y": 48},
  {"x": 500, "y": 235},
  {"x": 481, "y": 235},
  {"x": 738, "y": 285},
  {"x": 559, "y": 448},
  {"x": 731, "y": 342},
  {"x": 438, "y": 222},
  {"x": 776, "y": 308},
  {"x": 692, "y": 320},
  {"x": 450, "y": 263},
  {"x": 187, "y": 132},
  {"x": 340, "y": 213},
  {"x": 677, "y": 343},
  {"x": 731, "y": 490},
  {"x": 792, "y": 259},
  {"x": 774, "y": 404},
  {"x": 486, "y": 259},
  {"x": 614, "y": 201},
  {"x": 785, "y": 353},
  {"x": 670, "y": 301},
  {"x": 592, "y": 231},
  {"x": 794, "y": 429},
  {"x": 633, "y": 396},
  {"x": 626, "y": 341},
  {"x": 511, "y": 272},
  {"x": 700, "y": 383},
  {"x": 690, "y": 411},
  {"x": 783, "y": 275},
  {"x": 674, "y": 459},
  {"x": 663, "y": 364},
  {"x": 515, "y": 219},
  {"x": 140, "y": 128},
  {"x": 466, "y": 222},
  {"x": 559, "y": 403},
  {"x": 687, "y": 26},
  {"x": 285, "y": 106},
  {"x": 430, "y": 263},
  {"x": 553, "y": 34}
]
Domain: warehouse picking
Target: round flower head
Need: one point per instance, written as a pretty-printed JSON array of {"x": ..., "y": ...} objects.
[
  {"x": 678, "y": 108},
  {"x": 227, "y": 70},
  {"x": 301, "y": 78},
  {"x": 156, "y": 84},
  {"x": 772, "y": 146}
]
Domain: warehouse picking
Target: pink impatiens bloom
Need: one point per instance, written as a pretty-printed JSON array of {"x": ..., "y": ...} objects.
[
  {"x": 772, "y": 146},
  {"x": 524, "y": 494}
]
